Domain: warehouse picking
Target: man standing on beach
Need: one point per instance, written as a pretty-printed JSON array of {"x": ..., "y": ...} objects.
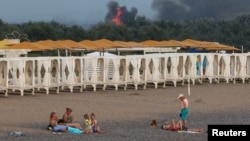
[{"x": 184, "y": 110}]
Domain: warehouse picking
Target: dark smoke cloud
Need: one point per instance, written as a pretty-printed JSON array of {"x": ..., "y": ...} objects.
[
  {"x": 179, "y": 10},
  {"x": 126, "y": 14}
]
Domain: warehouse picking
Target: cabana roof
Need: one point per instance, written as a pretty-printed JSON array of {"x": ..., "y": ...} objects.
[{"x": 104, "y": 44}]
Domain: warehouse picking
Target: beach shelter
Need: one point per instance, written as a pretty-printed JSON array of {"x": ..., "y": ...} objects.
[
  {"x": 28, "y": 46},
  {"x": 8, "y": 42},
  {"x": 136, "y": 71},
  {"x": 54, "y": 73},
  {"x": 237, "y": 68},
  {"x": 71, "y": 46},
  {"x": 4, "y": 77},
  {"x": 48, "y": 43},
  {"x": 151, "y": 43},
  {"x": 97, "y": 53},
  {"x": 152, "y": 69},
  {"x": 51, "y": 44},
  {"x": 106, "y": 44},
  {"x": 152, "y": 46},
  {"x": 90, "y": 72},
  {"x": 130, "y": 46},
  {"x": 207, "y": 66},
  {"x": 224, "y": 67},
  {"x": 16, "y": 75},
  {"x": 91, "y": 45},
  {"x": 42, "y": 73},
  {"x": 67, "y": 73},
  {"x": 78, "y": 67},
  {"x": 99, "y": 45},
  {"x": 133, "y": 44},
  {"x": 172, "y": 43},
  {"x": 174, "y": 67},
  {"x": 114, "y": 71},
  {"x": 124, "y": 44},
  {"x": 207, "y": 46},
  {"x": 247, "y": 64}
]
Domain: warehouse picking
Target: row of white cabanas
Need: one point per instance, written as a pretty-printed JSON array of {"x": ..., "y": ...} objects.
[{"x": 60, "y": 73}]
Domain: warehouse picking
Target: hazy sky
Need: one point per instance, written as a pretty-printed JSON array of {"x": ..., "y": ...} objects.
[
  {"x": 86, "y": 12},
  {"x": 66, "y": 11}
]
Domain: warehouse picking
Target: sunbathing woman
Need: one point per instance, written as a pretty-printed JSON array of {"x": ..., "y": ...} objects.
[
  {"x": 173, "y": 126},
  {"x": 178, "y": 127}
]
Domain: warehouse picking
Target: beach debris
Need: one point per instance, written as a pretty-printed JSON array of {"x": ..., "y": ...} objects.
[{"x": 16, "y": 133}]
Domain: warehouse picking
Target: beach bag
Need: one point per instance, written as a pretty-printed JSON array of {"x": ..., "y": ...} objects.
[{"x": 74, "y": 130}]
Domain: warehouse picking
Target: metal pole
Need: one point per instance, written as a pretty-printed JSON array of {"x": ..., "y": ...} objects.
[{"x": 189, "y": 85}]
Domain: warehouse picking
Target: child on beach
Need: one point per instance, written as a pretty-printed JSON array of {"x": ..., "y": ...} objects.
[
  {"x": 87, "y": 123},
  {"x": 94, "y": 126}
]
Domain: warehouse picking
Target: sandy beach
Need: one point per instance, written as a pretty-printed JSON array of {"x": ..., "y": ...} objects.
[{"x": 126, "y": 115}]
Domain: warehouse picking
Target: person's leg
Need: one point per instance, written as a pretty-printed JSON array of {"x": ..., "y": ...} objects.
[
  {"x": 184, "y": 114},
  {"x": 184, "y": 123},
  {"x": 179, "y": 124},
  {"x": 173, "y": 124}
]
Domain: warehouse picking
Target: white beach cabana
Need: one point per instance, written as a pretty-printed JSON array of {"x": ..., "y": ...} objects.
[
  {"x": 136, "y": 71},
  {"x": 4, "y": 79}
]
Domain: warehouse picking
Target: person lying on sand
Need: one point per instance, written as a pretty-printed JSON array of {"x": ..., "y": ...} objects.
[
  {"x": 177, "y": 126},
  {"x": 172, "y": 126}
]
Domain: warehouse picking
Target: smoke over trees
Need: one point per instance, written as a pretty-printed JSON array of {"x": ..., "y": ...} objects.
[
  {"x": 179, "y": 10},
  {"x": 120, "y": 13}
]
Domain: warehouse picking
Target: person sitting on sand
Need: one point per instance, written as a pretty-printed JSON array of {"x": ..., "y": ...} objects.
[
  {"x": 59, "y": 126},
  {"x": 54, "y": 121},
  {"x": 67, "y": 117},
  {"x": 87, "y": 123},
  {"x": 93, "y": 122},
  {"x": 55, "y": 124}
]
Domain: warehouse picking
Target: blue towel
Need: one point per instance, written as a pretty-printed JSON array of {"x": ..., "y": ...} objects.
[{"x": 74, "y": 130}]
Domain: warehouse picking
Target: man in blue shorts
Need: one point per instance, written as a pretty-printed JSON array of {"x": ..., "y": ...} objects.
[{"x": 184, "y": 110}]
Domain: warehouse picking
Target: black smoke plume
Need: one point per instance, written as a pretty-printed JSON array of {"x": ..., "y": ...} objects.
[
  {"x": 127, "y": 15},
  {"x": 179, "y": 10}
]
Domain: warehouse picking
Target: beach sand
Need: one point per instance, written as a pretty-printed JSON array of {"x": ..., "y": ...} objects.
[{"x": 126, "y": 115}]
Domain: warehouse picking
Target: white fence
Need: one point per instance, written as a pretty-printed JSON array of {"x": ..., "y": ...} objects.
[{"x": 58, "y": 73}]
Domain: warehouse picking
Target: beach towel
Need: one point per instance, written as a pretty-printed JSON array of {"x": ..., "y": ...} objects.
[
  {"x": 188, "y": 131},
  {"x": 74, "y": 130}
]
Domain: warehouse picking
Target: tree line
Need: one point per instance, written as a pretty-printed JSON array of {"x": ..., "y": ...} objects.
[{"x": 234, "y": 32}]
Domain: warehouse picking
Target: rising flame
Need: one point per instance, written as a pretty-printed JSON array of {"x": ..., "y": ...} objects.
[{"x": 117, "y": 19}]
